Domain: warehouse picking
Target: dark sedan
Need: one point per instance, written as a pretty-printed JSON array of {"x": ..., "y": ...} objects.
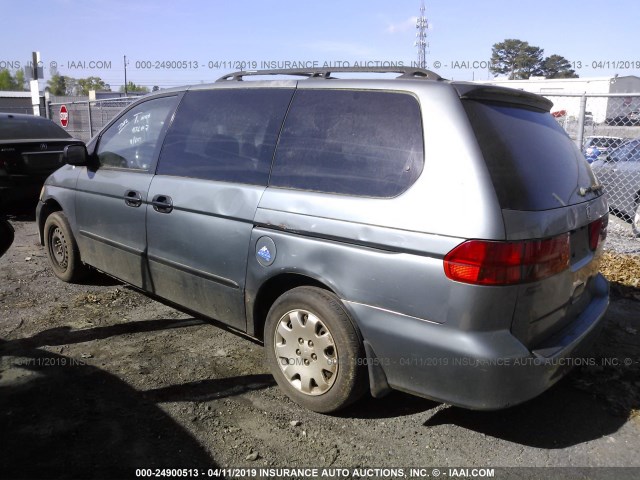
[
  {"x": 619, "y": 172},
  {"x": 30, "y": 150},
  {"x": 630, "y": 119}
]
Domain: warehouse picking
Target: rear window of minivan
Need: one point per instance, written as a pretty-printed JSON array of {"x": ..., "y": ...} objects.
[{"x": 533, "y": 163}]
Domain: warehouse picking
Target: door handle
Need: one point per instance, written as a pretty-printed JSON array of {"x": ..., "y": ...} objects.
[
  {"x": 132, "y": 198},
  {"x": 162, "y": 203}
]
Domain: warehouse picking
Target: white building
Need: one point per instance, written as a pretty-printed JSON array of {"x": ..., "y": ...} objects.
[{"x": 600, "y": 107}]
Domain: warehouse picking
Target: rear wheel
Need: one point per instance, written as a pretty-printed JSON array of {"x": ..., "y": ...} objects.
[
  {"x": 62, "y": 249},
  {"x": 314, "y": 351}
]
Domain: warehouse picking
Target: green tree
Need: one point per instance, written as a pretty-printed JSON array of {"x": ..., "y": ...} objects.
[
  {"x": 20, "y": 79},
  {"x": 91, "y": 83},
  {"x": 7, "y": 82},
  {"x": 516, "y": 58},
  {"x": 132, "y": 87},
  {"x": 556, "y": 66},
  {"x": 62, "y": 85},
  {"x": 72, "y": 86},
  {"x": 57, "y": 85}
]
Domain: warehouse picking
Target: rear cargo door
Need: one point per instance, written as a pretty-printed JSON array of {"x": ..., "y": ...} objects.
[{"x": 546, "y": 190}]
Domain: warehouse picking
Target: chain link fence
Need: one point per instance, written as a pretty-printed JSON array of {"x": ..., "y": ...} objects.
[
  {"x": 86, "y": 118},
  {"x": 606, "y": 127}
]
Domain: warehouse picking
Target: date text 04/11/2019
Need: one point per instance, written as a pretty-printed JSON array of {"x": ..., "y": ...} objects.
[
  {"x": 310, "y": 472},
  {"x": 39, "y": 362},
  {"x": 259, "y": 65}
]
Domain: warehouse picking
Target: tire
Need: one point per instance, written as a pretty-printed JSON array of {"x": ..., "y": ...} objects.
[
  {"x": 7, "y": 235},
  {"x": 62, "y": 249},
  {"x": 314, "y": 350},
  {"x": 635, "y": 220}
]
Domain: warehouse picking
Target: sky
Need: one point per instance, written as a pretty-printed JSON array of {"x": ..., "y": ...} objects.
[{"x": 171, "y": 43}]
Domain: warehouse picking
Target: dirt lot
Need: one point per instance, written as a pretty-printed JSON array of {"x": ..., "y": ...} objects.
[{"x": 98, "y": 380}]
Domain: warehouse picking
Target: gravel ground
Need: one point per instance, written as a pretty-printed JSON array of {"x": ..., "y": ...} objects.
[
  {"x": 97, "y": 380},
  {"x": 620, "y": 238}
]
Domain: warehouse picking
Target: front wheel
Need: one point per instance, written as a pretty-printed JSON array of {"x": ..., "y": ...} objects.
[
  {"x": 62, "y": 249},
  {"x": 314, "y": 351}
]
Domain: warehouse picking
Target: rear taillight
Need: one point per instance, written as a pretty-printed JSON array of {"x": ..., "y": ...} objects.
[
  {"x": 598, "y": 232},
  {"x": 483, "y": 262}
]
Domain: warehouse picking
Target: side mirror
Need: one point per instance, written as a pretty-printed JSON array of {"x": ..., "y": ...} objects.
[{"x": 76, "y": 155}]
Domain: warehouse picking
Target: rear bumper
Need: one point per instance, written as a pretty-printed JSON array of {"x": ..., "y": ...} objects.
[{"x": 477, "y": 370}]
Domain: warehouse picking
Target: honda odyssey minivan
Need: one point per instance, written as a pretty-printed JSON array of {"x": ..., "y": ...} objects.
[{"x": 436, "y": 237}]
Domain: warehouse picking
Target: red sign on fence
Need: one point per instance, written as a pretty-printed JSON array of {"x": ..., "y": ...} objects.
[{"x": 64, "y": 116}]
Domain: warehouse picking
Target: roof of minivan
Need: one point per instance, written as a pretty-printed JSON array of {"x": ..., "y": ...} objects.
[{"x": 409, "y": 77}]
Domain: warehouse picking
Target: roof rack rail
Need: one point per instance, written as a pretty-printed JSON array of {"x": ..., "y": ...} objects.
[{"x": 406, "y": 72}]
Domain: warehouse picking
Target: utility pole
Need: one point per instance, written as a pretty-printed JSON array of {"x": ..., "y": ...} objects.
[
  {"x": 34, "y": 85},
  {"x": 421, "y": 37},
  {"x": 125, "y": 75}
]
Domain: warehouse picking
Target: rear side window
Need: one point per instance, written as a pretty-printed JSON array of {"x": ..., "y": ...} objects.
[
  {"x": 533, "y": 164},
  {"x": 350, "y": 142},
  {"x": 225, "y": 134}
]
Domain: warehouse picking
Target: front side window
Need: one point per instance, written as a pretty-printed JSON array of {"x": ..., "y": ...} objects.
[
  {"x": 132, "y": 141},
  {"x": 363, "y": 143},
  {"x": 227, "y": 135}
]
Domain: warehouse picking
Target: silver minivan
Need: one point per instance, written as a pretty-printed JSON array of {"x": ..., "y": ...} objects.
[{"x": 411, "y": 233}]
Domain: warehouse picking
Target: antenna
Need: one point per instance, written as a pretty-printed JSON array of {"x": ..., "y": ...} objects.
[
  {"x": 125, "y": 76},
  {"x": 421, "y": 37}
]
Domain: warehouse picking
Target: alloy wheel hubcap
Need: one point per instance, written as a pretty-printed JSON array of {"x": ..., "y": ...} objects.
[{"x": 306, "y": 352}]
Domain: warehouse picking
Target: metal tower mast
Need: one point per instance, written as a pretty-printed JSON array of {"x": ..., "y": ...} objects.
[{"x": 421, "y": 38}]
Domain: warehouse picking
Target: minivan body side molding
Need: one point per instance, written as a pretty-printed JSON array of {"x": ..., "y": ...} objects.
[
  {"x": 111, "y": 243},
  {"x": 393, "y": 240},
  {"x": 169, "y": 263},
  {"x": 194, "y": 271}
]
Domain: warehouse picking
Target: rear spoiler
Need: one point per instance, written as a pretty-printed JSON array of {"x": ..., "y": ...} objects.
[{"x": 492, "y": 93}]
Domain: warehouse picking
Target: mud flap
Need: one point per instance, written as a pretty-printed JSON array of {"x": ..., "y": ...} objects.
[{"x": 377, "y": 378}]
